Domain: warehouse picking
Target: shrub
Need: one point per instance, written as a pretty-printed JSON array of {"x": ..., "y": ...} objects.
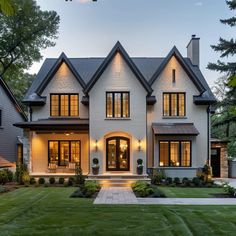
[
  {"x": 20, "y": 169},
  {"x": 41, "y": 181},
  {"x": 90, "y": 188},
  {"x": 3, "y": 189},
  {"x": 3, "y": 177},
  {"x": 142, "y": 188},
  {"x": 25, "y": 177},
  {"x": 61, "y": 180},
  {"x": 196, "y": 181},
  {"x": 77, "y": 193},
  {"x": 9, "y": 174},
  {"x": 71, "y": 181},
  {"x": 158, "y": 193},
  {"x": 176, "y": 180},
  {"x": 169, "y": 180},
  {"x": 32, "y": 180},
  {"x": 186, "y": 181},
  {"x": 52, "y": 180},
  {"x": 231, "y": 191},
  {"x": 79, "y": 178},
  {"x": 157, "y": 176}
]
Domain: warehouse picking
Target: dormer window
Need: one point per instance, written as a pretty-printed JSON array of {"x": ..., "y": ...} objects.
[
  {"x": 64, "y": 104},
  {"x": 173, "y": 76},
  {"x": 117, "y": 105},
  {"x": 174, "y": 104}
]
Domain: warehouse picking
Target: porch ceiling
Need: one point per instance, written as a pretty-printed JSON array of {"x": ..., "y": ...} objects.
[
  {"x": 55, "y": 124},
  {"x": 174, "y": 129}
]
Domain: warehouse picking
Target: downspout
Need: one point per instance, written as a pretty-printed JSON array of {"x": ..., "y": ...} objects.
[{"x": 208, "y": 134}]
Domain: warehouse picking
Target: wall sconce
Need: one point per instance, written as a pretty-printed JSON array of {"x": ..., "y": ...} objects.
[
  {"x": 139, "y": 145},
  {"x": 161, "y": 163},
  {"x": 96, "y": 145}
]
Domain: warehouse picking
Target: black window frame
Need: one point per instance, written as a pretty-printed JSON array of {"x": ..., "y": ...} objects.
[
  {"x": 59, "y": 154},
  {"x": 173, "y": 76},
  {"x": 59, "y": 104},
  {"x": 113, "y": 104},
  {"x": 180, "y": 153},
  {"x": 170, "y": 107}
]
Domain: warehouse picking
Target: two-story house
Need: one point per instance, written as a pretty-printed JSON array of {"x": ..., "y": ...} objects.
[
  {"x": 119, "y": 109},
  {"x": 11, "y": 147}
]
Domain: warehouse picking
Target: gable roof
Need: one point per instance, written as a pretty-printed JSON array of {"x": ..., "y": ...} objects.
[
  {"x": 12, "y": 98},
  {"x": 62, "y": 58},
  {"x": 118, "y": 48}
]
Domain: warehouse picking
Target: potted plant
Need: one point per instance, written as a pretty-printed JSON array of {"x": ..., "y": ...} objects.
[
  {"x": 95, "y": 166},
  {"x": 139, "y": 166}
]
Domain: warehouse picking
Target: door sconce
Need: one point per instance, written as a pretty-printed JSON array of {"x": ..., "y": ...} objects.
[
  {"x": 139, "y": 145},
  {"x": 96, "y": 145}
]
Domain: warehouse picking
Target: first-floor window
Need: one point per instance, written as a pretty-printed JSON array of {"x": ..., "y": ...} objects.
[
  {"x": 20, "y": 153},
  {"x": 175, "y": 153},
  {"x": 63, "y": 152}
]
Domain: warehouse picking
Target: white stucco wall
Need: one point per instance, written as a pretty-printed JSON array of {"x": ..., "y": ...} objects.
[
  {"x": 194, "y": 114},
  {"x": 62, "y": 82},
  {"x": 118, "y": 77},
  {"x": 39, "y": 147}
]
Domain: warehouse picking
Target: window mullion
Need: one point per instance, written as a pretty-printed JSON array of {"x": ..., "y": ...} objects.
[{"x": 170, "y": 107}]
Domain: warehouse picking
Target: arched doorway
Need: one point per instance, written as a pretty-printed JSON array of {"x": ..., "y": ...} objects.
[{"x": 117, "y": 154}]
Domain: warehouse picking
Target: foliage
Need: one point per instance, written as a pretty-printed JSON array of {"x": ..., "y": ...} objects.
[
  {"x": 41, "y": 180},
  {"x": 88, "y": 190},
  {"x": 9, "y": 174},
  {"x": 157, "y": 193},
  {"x": 52, "y": 180},
  {"x": 197, "y": 181},
  {"x": 157, "y": 176},
  {"x": 20, "y": 169},
  {"x": 169, "y": 180},
  {"x": 186, "y": 181},
  {"x": 32, "y": 180},
  {"x": 142, "y": 188},
  {"x": 61, "y": 180},
  {"x": 71, "y": 181},
  {"x": 7, "y": 7},
  {"x": 231, "y": 191},
  {"x": 25, "y": 177},
  {"x": 3, "y": 189},
  {"x": 79, "y": 177},
  {"x": 224, "y": 120},
  {"x": 176, "y": 180},
  {"x": 3, "y": 177}
]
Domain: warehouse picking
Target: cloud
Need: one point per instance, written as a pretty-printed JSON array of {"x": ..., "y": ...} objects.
[{"x": 198, "y": 4}]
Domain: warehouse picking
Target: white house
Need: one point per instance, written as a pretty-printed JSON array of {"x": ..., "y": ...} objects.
[{"x": 119, "y": 109}]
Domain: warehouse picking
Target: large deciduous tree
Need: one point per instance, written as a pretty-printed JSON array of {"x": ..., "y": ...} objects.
[{"x": 225, "y": 118}]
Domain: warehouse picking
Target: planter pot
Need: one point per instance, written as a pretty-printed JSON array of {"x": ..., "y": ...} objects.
[
  {"x": 232, "y": 169},
  {"x": 95, "y": 170},
  {"x": 139, "y": 170}
]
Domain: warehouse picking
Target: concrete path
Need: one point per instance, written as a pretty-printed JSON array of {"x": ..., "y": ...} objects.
[
  {"x": 231, "y": 182},
  {"x": 187, "y": 201},
  {"x": 116, "y": 195}
]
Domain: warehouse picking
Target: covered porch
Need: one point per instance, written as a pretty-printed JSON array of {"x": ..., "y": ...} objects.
[{"x": 54, "y": 147}]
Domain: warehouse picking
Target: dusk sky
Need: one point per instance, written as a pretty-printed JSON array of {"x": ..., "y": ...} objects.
[{"x": 146, "y": 28}]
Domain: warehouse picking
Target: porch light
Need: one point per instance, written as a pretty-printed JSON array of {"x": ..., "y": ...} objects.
[
  {"x": 67, "y": 134},
  {"x": 96, "y": 145},
  {"x": 161, "y": 163},
  {"x": 177, "y": 163},
  {"x": 139, "y": 145}
]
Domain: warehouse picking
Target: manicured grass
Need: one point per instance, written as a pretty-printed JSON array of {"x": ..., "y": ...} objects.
[
  {"x": 50, "y": 211},
  {"x": 180, "y": 192}
]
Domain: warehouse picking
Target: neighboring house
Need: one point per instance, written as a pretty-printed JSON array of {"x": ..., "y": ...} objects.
[
  {"x": 11, "y": 149},
  {"x": 119, "y": 109}
]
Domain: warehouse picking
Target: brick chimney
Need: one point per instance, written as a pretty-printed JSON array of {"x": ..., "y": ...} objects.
[{"x": 193, "y": 50}]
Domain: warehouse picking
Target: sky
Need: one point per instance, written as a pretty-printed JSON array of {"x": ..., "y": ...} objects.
[{"x": 146, "y": 28}]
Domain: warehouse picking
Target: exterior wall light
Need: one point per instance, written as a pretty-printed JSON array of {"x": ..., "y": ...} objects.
[
  {"x": 139, "y": 145},
  {"x": 161, "y": 163}
]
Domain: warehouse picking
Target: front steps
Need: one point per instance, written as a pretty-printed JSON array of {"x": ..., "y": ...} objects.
[{"x": 111, "y": 180}]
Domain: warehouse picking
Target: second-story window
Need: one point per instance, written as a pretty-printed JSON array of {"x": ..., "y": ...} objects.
[
  {"x": 117, "y": 104},
  {"x": 174, "y": 104},
  {"x": 64, "y": 104}
]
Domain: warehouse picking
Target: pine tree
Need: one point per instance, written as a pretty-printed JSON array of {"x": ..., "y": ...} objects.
[{"x": 227, "y": 48}]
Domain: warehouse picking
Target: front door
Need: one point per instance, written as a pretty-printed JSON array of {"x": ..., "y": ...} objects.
[
  {"x": 117, "y": 154},
  {"x": 215, "y": 162}
]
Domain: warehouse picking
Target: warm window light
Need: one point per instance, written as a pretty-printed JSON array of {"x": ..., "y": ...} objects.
[
  {"x": 161, "y": 163},
  {"x": 67, "y": 134},
  {"x": 177, "y": 163},
  {"x": 139, "y": 145}
]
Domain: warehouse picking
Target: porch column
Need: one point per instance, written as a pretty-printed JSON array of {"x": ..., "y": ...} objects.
[{"x": 27, "y": 149}]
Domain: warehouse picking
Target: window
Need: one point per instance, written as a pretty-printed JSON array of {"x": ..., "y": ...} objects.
[
  {"x": 64, "y": 105},
  {"x": 0, "y": 117},
  {"x": 173, "y": 104},
  {"x": 175, "y": 153},
  {"x": 20, "y": 153},
  {"x": 63, "y": 152},
  {"x": 117, "y": 104},
  {"x": 173, "y": 76}
]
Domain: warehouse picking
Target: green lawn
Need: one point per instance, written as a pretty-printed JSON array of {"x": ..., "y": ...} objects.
[
  {"x": 191, "y": 192},
  {"x": 50, "y": 211}
]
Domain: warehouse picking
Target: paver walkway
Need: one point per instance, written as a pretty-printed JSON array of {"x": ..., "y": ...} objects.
[
  {"x": 116, "y": 195},
  {"x": 125, "y": 195}
]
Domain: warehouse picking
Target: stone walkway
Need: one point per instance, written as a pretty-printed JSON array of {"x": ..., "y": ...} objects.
[
  {"x": 116, "y": 195},
  {"x": 125, "y": 195}
]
